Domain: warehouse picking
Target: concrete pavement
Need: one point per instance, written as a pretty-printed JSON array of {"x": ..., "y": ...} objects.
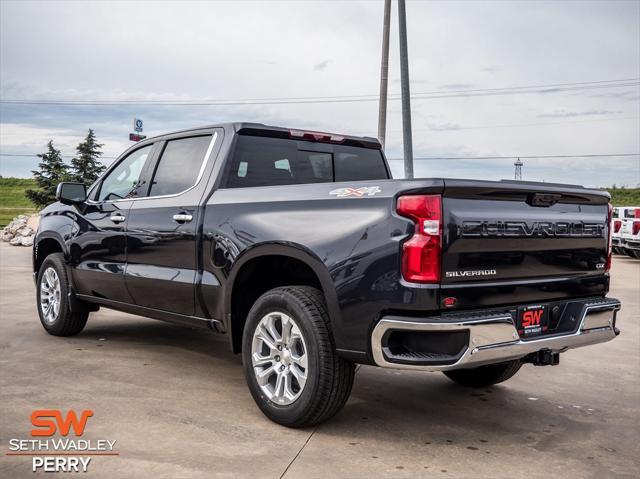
[{"x": 176, "y": 402}]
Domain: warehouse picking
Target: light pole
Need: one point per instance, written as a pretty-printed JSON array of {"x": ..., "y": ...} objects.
[
  {"x": 384, "y": 75},
  {"x": 404, "y": 83}
]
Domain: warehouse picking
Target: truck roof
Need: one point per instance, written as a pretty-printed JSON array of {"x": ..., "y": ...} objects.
[{"x": 274, "y": 130}]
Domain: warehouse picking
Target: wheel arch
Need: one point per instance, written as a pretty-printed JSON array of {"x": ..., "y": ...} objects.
[
  {"x": 45, "y": 245},
  {"x": 270, "y": 266}
]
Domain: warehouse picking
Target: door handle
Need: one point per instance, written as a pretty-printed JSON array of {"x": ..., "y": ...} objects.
[
  {"x": 182, "y": 218},
  {"x": 117, "y": 218}
]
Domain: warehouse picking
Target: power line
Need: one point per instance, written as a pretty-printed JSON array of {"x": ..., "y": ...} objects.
[
  {"x": 366, "y": 96},
  {"x": 518, "y": 125},
  {"x": 541, "y": 89},
  {"x": 529, "y": 157},
  {"x": 425, "y": 158},
  {"x": 436, "y": 129},
  {"x": 547, "y": 85}
]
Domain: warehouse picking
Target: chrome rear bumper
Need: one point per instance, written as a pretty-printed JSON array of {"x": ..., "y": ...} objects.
[
  {"x": 630, "y": 244},
  {"x": 494, "y": 338}
]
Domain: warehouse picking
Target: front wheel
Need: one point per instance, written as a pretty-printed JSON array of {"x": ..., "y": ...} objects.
[
  {"x": 289, "y": 358},
  {"x": 53, "y": 301},
  {"x": 484, "y": 375}
]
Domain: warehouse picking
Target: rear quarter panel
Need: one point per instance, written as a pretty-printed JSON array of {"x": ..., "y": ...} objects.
[{"x": 353, "y": 243}]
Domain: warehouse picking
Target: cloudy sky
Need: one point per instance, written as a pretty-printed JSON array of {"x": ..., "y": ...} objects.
[{"x": 502, "y": 78}]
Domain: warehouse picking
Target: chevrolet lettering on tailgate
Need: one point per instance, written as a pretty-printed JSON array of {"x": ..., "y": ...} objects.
[{"x": 523, "y": 229}]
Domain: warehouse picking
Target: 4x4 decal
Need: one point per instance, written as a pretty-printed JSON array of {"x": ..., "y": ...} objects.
[{"x": 358, "y": 192}]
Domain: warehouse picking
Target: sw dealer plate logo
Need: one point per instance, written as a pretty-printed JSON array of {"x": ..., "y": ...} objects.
[{"x": 532, "y": 320}]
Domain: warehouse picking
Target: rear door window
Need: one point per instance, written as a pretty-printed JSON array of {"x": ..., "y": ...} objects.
[
  {"x": 264, "y": 161},
  {"x": 179, "y": 165},
  {"x": 260, "y": 161}
]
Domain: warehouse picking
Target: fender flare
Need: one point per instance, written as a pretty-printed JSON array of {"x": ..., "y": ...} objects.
[
  {"x": 50, "y": 235},
  {"x": 292, "y": 250}
]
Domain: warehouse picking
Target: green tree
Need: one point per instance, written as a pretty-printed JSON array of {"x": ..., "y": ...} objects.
[
  {"x": 52, "y": 171},
  {"x": 86, "y": 166}
]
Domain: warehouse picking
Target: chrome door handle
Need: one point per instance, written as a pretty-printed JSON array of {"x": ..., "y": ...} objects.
[
  {"x": 182, "y": 218},
  {"x": 117, "y": 218}
]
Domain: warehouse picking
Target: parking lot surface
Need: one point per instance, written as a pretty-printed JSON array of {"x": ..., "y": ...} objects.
[{"x": 175, "y": 401}]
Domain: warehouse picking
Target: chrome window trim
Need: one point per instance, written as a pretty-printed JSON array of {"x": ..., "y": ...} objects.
[{"x": 205, "y": 162}]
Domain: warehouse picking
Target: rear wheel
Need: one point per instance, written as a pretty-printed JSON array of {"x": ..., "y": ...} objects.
[
  {"x": 289, "y": 358},
  {"x": 484, "y": 375},
  {"x": 53, "y": 301}
]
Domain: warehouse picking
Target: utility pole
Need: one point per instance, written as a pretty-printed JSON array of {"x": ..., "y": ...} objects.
[
  {"x": 384, "y": 74},
  {"x": 404, "y": 83}
]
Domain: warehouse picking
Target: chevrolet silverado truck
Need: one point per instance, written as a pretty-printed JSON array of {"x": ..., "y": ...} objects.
[
  {"x": 303, "y": 251},
  {"x": 622, "y": 215},
  {"x": 629, "y": 234}
]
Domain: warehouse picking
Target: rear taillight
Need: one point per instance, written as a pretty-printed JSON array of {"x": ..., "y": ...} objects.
[
  {"x": 421, "y": 253},
  {"x": 636, "y": 228},
  {"x": 617, "y": 224},
  {"x": 607, "y": 265}
]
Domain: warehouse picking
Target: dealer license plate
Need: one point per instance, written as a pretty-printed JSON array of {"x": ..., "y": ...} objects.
[{"x": 532, "y": 320}]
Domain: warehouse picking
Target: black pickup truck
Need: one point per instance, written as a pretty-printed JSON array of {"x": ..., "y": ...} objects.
[{"x": 301, "y": 249}]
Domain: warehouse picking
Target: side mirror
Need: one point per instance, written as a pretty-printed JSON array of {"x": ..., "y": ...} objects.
[{"x": 71, "y": 193}]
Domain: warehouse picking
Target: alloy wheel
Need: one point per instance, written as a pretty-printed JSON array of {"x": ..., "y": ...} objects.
[
  {"x": 50, "y": 295},
  {"x": 279, "y": 358}
]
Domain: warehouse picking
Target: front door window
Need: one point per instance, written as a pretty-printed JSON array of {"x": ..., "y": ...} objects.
[{"x": 124, "y": 180}]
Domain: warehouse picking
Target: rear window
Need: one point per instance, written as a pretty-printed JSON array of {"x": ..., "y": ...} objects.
[
  {"x": 179, "y": 165},
  {"x": 263, "y": 161}
]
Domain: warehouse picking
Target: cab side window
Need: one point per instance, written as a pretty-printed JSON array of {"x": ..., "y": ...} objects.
[{"x": 124, "y": 180}]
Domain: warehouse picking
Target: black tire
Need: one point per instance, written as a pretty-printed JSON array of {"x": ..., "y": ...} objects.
[
  {"x": 66, "y": 322},
  {"x": 484, "y": 375},
  {"x": 329, "y": 377}
]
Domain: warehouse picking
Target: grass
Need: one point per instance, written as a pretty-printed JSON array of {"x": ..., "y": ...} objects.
[
  {"x": 13, "y": 202},
  {"x": 625, "y": 196}
]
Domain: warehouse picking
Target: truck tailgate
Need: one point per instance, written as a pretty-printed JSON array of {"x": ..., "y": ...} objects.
[{"x": 508, "y": 242}]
